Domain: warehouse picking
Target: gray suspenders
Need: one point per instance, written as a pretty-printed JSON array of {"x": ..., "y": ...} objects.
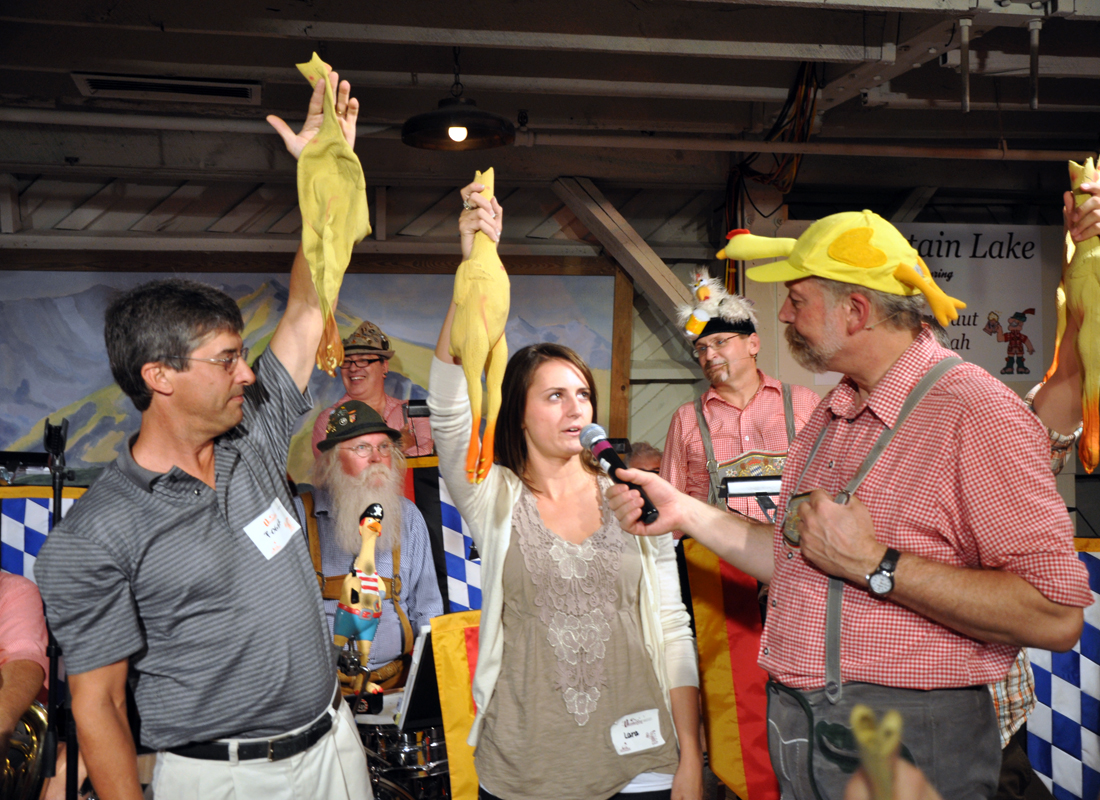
[
  {"x": 833, "y": 603},
  {"x": 708, "y": 447}
]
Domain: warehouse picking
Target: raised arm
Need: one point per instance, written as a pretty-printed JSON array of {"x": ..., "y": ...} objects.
[
  {"x": 1058, "y": 402},
  {"x": 299, "y": 331},
  {"x": 485, "y": 216}
]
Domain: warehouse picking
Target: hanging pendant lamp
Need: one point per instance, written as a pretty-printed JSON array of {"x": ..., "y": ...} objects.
[{"x": 458, "y": 124}]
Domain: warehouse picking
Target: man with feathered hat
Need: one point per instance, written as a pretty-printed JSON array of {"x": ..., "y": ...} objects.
[{"x": 743, "y": 410}]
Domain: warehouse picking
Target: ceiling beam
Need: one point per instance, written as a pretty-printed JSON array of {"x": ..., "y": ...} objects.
[
  {"x": 624, "y": 244},
  {"x": 913, "y": 204},
  {"x": 916, "y": 49},
  {"x": 408, "y": 35},
  {"x": 227, "y": 243},
  {"x": 1022, "y": 9},
  {"x": 998, "y": 63},
  {"x": 441, "y": 82}
]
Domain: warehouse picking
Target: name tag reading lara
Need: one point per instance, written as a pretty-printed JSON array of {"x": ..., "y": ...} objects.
[
  {"x": 636, "y": 732},
  {"x": 272, "y": 529}
]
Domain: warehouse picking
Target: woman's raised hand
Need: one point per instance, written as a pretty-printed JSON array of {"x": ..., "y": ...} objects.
[{"x": 481, "y": 215}]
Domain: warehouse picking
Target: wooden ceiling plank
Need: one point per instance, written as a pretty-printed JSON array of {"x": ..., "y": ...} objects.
[
  {"x": 238, "y": 218},
  {"x": 689, "y": 219},
  {"x": 913, "y": 204},
  {"x": 551, "y": 226},
  {"x": 380, "y": 194},
  {"x": 210, "y": 206},
  {"x": 290, "y": 223},
  {"x": 131, "y": 202},
  {"x": 48, "y": 201},
  {"x": 10, "y": 220},
  {"x": 443, "y": 208},
  {"x": 91, "y": 209},
  {"x": 170, "y": 208}
]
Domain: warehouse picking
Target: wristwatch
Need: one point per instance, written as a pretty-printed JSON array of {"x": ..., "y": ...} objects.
[{"x": 881, "y": 581}]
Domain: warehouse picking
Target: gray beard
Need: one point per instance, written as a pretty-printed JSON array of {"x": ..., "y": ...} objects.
[
  {"x": 350, "y": 495},
  {"x": 815, "y": 359}
]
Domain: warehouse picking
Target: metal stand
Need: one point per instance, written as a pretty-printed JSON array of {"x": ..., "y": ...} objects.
[{"x": 59, "y": 712}]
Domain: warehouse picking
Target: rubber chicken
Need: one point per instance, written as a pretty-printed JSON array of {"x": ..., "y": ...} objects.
[
  {"x": 1079, "y": 298},
  {"x": 482, "y": 296},
  {"x": 878, "y": 746},
  {"x": 332, "y": 195}
]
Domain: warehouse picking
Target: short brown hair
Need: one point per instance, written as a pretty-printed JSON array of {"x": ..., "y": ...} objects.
[{"x": 510, "y": 448}]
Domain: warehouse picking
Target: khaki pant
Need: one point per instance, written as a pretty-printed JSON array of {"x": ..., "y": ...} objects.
[{"x": 335, "y": 768}]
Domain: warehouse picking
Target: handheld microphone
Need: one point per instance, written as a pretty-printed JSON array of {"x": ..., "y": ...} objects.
[{"x": 594, "y": 438}]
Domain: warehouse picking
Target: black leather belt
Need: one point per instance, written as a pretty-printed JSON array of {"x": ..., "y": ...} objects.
[{"x": 271, "y": 749}]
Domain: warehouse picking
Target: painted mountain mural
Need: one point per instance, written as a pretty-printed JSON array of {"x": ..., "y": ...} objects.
[{"x": 53, "y": 362}]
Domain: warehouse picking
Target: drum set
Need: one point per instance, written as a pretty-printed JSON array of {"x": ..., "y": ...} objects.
[
  {"x": 406, "y": 765},
  {"x": 402, "y": 732}
]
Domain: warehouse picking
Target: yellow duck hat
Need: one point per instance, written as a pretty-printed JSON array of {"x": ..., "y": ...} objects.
[{"x": 857, "y": 247}]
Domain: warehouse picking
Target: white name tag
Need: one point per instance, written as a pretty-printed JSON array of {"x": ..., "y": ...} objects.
[
  {"x": 272, "y": 529},
  {"x": 636, "y": 732}
]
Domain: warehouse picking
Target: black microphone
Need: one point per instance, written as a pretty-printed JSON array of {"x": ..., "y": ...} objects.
[{"x": 594, "y": 438}]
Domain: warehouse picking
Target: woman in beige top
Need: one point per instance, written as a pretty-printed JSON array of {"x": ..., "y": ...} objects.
[{"x": 586, "y": 681}]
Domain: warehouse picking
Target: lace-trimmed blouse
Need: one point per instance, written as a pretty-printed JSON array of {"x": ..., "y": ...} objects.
[{"x": 574, "y": 662}]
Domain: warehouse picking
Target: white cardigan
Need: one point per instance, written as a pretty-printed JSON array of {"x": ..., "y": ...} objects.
[{"x": 487, "y": 509}]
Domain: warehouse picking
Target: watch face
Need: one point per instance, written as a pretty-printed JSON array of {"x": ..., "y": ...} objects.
[{"x": 881, "y": 583}]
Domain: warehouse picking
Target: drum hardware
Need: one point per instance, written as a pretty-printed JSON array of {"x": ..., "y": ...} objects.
[
  {"x": 414, "y": 760},
  {"x": 388, "y": 790}
]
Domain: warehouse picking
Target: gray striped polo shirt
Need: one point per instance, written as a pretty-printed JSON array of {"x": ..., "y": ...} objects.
[{"x": 157, "y": 568}]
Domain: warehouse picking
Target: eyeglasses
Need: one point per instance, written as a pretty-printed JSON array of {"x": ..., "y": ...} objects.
[
  {"x": 365, "y": 450},
  {"x": 700, "y": 350},
  {"x": 359, "y": 363},
  {"x": 229, "y": 364}
]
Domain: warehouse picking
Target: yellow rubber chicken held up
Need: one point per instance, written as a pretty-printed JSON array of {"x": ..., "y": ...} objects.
[
  {"x": 481, "y": 297},
  {"x": 332, "y": 194},
  {"x": 1079, "y": 302}
]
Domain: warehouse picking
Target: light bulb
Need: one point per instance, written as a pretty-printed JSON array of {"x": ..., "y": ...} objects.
[{"x": 457, "y": 133}]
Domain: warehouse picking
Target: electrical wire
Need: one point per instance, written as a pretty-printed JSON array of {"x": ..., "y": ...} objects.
[{"x": 794, "y": 123}]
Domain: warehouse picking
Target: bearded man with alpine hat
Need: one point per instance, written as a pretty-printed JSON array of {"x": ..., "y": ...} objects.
[{"x": 361, "y": 465}]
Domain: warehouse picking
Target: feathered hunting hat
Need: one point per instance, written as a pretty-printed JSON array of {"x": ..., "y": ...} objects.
[{"x": 714, "y": 310}]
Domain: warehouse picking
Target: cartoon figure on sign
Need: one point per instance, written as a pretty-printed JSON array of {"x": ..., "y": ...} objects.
[
  {"x": 360, "y": 605},
  {"x": 1016, "y": 339}
]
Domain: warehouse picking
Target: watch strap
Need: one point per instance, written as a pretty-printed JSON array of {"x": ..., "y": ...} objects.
[{"x": 889, "y": 561}]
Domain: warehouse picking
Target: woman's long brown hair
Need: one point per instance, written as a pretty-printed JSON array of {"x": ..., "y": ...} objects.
[{"x": 510, "y": 447}]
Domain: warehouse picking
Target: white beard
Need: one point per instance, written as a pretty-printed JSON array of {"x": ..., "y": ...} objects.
[{"x": 377, "y": 483}]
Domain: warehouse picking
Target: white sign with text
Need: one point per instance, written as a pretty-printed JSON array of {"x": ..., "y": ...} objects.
[{"x": 997, "y": 271}]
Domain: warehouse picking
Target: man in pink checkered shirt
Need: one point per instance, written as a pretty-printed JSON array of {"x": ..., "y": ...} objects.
[
  {"x": 915, "y": 587},
  {"x": 743, "y": 407}
]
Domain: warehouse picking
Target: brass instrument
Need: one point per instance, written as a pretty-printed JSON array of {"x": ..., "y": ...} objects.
[{"x": 23, "y": 767}]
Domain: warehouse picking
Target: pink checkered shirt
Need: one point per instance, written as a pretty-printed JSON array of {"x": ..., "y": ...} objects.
[
  {"x": 944, "y": 490},
  {"x": 733, "y": 431}
]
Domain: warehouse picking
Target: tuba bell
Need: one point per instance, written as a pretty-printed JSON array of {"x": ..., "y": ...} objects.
[{"x": 23, "y": 767}]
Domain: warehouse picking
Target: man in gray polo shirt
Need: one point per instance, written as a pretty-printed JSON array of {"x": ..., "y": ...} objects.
[{"x": 183, "y": 571}]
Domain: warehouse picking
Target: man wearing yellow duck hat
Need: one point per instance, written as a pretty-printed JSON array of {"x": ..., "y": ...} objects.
[{"x": 907, "y": 567}]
